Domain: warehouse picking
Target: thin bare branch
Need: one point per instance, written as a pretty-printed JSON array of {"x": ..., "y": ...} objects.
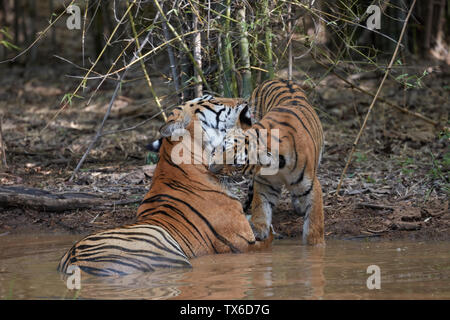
[{"x": 394, "y": 55}]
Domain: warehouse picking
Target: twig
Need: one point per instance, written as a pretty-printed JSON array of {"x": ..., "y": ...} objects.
[
  {"x": 100, "y": 129},
  {"x": 144, "y": 69},
  {"x": 2, "y": 144},
  {"x": 440, "y": 213},
  {"x": 133, "y": 127},
  {"x": 401, "y": 109},
  {"x": 374, "y": 206},
  {"x": 40, "y": 36},
  {"x": 82, "y": 83},
  {"x": 377, "y": 231},
  {"x": 319, "y": 14},
  {"x": 108, "y": 111},
  {"x": 355, "y": 143}
]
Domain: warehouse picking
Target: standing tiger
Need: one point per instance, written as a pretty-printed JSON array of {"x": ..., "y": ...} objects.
[
  {"x": 282, "y": 105},
  {"x": 186, "y": 213}
]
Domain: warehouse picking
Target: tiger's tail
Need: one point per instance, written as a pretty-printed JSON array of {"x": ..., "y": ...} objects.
[{"x": 125, "y": 250}]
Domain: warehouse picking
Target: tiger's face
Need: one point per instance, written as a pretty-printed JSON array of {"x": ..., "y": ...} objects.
[
  {"x": 242, "y": 152},
  {"x": 216, "y": 116}
]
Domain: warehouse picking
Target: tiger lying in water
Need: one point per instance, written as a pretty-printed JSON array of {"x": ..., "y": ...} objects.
[
  {"x": 282, "y": 105},
  {"x": 186, "y": 213}
]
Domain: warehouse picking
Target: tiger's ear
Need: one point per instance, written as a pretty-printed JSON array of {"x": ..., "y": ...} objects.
[
  {"x": 154, "y": 146},
  {"x": 245, "y": 119},
  {"x": 171, "y": 127}
]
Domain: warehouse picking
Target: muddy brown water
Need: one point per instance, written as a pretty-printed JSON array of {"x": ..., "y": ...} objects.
[{"x": 288, "y": 270}]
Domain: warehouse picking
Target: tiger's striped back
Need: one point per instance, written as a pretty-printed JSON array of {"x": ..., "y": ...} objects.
[
  {"x": 288, "y": 97},
  {"x": 125, "y": 250},
  {"x": 272, "y": 93}
]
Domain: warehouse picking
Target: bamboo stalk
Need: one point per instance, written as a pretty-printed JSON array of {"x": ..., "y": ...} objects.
[
  {"x": 186, "y": 75},
  {"x": 83, "y": 34},
  {"x": 229, "y": 57},
  {"x": 394, "y": 55},
  {"x": 289, "y": 30},
  {"x": 198, "y": 89},
  {"x": 183, "y": 45},
  {"x": 254, "y": 59},
  {"x": 224, "y": 87},
  {"x": 268, "y": 39},
  {"x": 245, "y": 57},
  {"x": 228, "y": 91},
  {"x": 172, "y": 60}
]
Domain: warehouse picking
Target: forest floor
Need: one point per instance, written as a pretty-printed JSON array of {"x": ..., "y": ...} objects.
[{"x": 396, "y": 187}]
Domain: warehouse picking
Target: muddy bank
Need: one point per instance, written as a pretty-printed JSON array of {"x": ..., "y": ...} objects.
[{"x": 346, "y": 217}]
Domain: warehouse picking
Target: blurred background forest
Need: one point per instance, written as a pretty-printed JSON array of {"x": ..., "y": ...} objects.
[{"x": 92, "y": 80}]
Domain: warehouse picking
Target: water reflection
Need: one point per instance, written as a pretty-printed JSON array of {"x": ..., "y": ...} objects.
[
  {"x": 288, "y": 270},
  {"x": 283, "y": 272}
]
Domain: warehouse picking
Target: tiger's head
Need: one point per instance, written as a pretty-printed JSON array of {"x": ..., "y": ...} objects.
[
  {"x": 215, "y": 115},
  {"x": 245, "y": 152}
]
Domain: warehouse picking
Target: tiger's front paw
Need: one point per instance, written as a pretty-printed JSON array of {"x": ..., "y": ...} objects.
[{"x": 260, "y": 230}]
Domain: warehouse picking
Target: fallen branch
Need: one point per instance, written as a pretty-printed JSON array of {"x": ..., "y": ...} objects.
[
  {"x": 43, "y": 200},
  {"x": 394, "y": 55},
  {"x": 37, "y": 199}
]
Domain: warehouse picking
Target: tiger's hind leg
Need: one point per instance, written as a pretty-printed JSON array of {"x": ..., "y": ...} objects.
[
  {"x": 313, "y": 225},
  {"x": 308, "y": 202},
  {"x": 265, "y": 197}
]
